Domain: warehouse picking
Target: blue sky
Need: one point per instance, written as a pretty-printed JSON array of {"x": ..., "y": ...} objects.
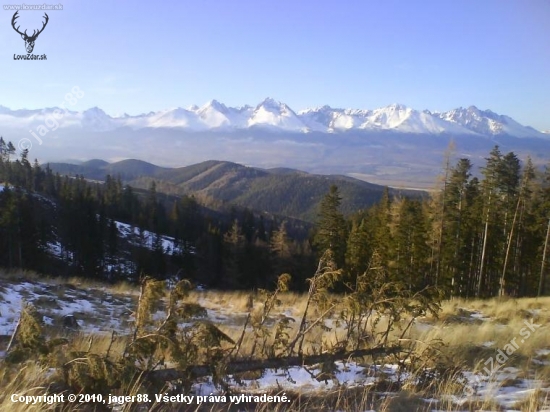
[{"x": 140, "y": 56}]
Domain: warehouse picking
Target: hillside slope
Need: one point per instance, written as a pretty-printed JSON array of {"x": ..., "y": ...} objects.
[{"x": 280, "y": 191}]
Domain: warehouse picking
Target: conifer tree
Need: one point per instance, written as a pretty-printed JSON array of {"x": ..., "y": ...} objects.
[
  {"x": 491, "y": 199},
  {"x": 358, "y": 250},
  {"x": 515, "y": 233},
  {"x": 234, "y": 247},
  {"x": 281, "y": 251},
  {"x": 331, "y": 227},
  {"x": 455, "y": 253}
]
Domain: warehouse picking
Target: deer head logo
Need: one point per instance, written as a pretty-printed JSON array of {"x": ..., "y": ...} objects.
[{"x": 29, "y": 40}]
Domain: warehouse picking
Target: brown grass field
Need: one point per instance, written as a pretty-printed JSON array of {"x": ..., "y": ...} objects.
[{"x": 467, "y": 332}]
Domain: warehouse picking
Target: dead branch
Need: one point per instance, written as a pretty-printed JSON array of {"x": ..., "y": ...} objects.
[{"x": 244, "y": 365}]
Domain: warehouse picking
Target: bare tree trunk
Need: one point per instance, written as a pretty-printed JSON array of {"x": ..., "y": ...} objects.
[
  {"x": 508, "y": 245},
  {"x": 13, "y": 334},
  {"x": 541, "y": 279},
  {"x": 520, "y": 289},
  {"x": 246, "y": 365},
  {"x": 482, "y": 265},
  {"x": 457, "y": 245},
  {"x": 448, "y": 153},
  {"x": 471, "y": 271}
]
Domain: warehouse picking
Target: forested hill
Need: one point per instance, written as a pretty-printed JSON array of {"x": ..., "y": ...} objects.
[
  {"x": 283, "y": 192},
  {"x": 69, "y": 226},
  {"x": 482, "y": 237}
]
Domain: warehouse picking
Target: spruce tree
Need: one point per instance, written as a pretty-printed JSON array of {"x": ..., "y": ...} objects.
[
  {"x": 358, "y": 250},
  {"x": 331, "y": 227}
]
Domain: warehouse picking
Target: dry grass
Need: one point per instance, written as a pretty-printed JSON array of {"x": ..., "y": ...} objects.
[
  {"x": 537, "y": 401},
  {"x": 98, "y": 344},
  {"x": 501, "y": 309},
  {"x": 31, "y": 379},
  {"x": 239, "y": 301},
  {"x": 470, "y": 340}
]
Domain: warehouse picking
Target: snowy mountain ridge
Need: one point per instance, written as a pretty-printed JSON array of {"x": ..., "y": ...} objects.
[{"x": 277, "y": 116}]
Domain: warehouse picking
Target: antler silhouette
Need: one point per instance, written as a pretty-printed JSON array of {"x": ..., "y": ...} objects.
[
  {"x": 34, "y": 33},
  {"x": 29, "y": 40},
  {"x": 15, "y": 16},
  {"x": 43, "y": 26}
]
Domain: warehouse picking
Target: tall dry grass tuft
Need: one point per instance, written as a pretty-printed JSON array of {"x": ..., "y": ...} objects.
[
  {"x": 536, "y": 401},
  {"x": 471, "y": 331},
  {"x": 501, "y": 309},
  {"x": 28, "y": 379},
  {"x": 474, "y": 330}
]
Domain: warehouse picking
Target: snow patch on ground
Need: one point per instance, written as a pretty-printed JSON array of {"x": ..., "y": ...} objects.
[
  {"x": 479, "y": 316},
  {"x": 94, "y": 311},
  {"x": 100, "y": 311},
  {"x": 147, "y": 239}
]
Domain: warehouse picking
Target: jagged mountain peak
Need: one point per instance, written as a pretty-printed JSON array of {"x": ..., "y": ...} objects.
[
  {"x": 396, "y": 106},
  {"x": 278, "y": 116},
  {"x": 95, "y": 110},
  {"x": 271, "y": 104},
  {"x": 487, "y": 122},
  {"x": 214, "y": 104},
  {"x": 269, "y": 101}
]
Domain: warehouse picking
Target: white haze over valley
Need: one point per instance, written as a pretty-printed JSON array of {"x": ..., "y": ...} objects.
[{"x": 394, "y": 145}]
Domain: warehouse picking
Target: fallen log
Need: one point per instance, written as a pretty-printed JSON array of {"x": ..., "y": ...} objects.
[{"x": 247, "y": 365}]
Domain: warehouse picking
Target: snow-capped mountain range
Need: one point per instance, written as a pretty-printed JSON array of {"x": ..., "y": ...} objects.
[{"x": 277, "y": 116}]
